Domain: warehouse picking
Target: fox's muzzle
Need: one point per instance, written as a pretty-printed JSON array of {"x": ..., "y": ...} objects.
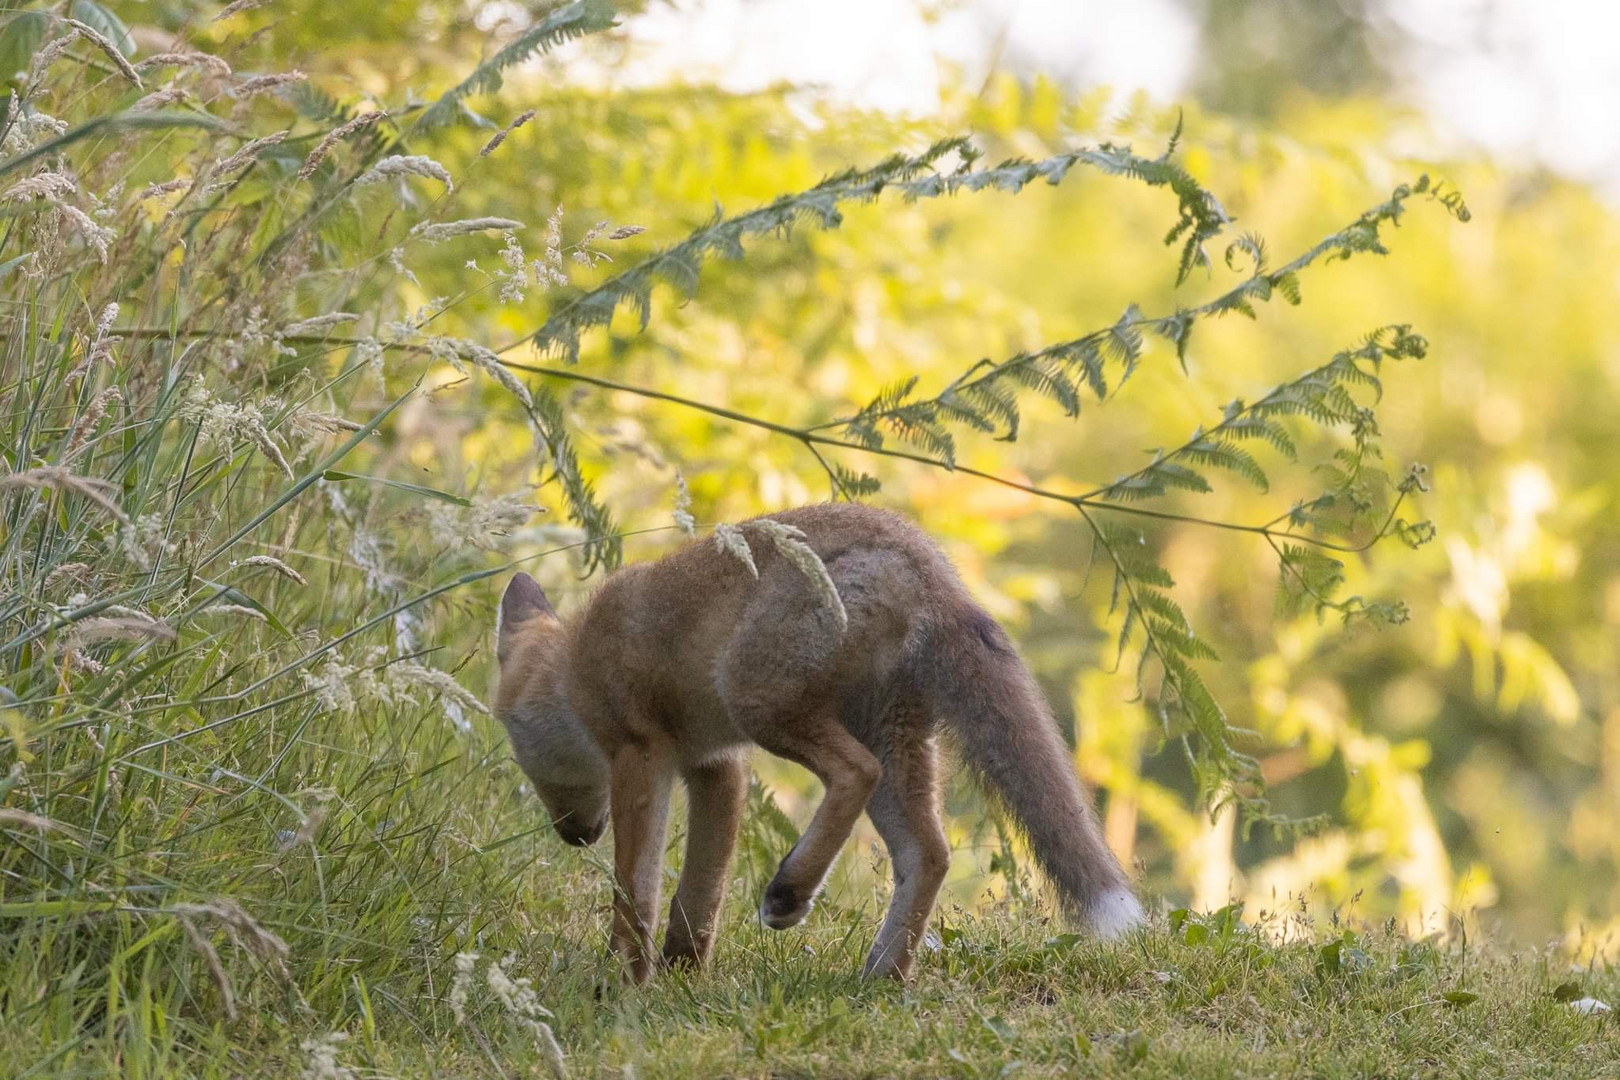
[{"x": 580, "y": 834}]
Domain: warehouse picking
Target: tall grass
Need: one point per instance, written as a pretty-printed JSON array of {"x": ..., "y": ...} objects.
[{"x": 243, "y": 803}]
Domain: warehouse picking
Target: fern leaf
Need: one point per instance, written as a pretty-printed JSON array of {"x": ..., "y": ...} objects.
[
  {"x": 1215, "y": 454},
  {"x": 604, "y": 547},
  {"x": 564, "y": 24},
  {"x": 855, "y": 484}
]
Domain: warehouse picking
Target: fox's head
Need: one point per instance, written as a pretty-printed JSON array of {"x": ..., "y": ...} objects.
[{"x": 569, "y": 771}]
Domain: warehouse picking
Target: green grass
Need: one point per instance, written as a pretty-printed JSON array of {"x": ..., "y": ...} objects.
[
  {"x": 374, "y": 914},
  {"x": 429, "y": 848}
]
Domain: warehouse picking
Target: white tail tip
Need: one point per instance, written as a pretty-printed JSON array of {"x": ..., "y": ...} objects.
[{"x": 1115, "y": 912}]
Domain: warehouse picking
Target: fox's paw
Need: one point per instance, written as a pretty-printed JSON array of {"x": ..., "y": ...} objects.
[
  {"x": 784, "y": 906},
  {"x": 683, "y": 952}
]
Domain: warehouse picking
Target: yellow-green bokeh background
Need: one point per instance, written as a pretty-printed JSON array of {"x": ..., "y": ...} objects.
[{"x": 1470, "y": 759}]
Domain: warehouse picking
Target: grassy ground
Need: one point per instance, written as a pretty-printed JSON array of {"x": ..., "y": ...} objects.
[
  {"x": 374, "y": 923},
  {"x": 427, "y": 848},
  {"x": 369, "y": 850}
]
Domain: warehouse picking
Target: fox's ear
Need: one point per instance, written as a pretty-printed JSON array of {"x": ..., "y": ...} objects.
[{"x": 522, "y": 601}]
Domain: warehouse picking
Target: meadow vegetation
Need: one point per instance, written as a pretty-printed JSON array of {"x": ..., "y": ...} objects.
[{"x": 298, "y": 364}]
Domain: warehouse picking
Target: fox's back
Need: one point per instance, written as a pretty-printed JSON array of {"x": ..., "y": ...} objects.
[{"x": 662, "y": 633}]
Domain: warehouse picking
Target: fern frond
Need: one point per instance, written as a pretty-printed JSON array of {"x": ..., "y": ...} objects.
[
  {"x": 562, "y": 25},
  {"x": 604, "y": 548},
  {"x": 1166, "y": 609},
  {"x": 1050, "y": 381},
  {"x": 1259, "y": 427},
  {"x": 998, "y": 403},
  {"x": 911, "y": 177},
  {"x": 1124, "y": 341},
  {"x": 855, "y": 484},
  {"x": 926, "y": 434},
  {"x": 955, "y": 408},
  {"x": 1254, "y": 246},
  {"x": 1215, "y": 454}
]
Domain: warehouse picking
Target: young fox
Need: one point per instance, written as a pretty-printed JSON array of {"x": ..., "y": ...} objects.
[{"x": 676, "y": 667}]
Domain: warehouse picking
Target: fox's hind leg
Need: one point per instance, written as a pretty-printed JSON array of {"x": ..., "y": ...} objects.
[
  {"x": 715, "y": 794},
  {"x": 848, "y": 771},
  {"x": 778, "y": 678},
  {"x": 905, "y": 809}
]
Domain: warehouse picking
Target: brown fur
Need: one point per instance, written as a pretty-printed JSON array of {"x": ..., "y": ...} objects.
[{"x": 676, "y": 667}]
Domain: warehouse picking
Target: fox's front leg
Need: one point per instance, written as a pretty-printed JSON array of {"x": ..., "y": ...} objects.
[
  {"x": 715, "y": 795},
  {"x": 641, "y": 776}
]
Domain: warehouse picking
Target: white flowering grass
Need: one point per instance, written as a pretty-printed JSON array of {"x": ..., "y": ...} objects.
[
  {"x": 317, "y": 325},
  {"x": 487, "y": 524},
  {"x": 342, "y": 687},
  {"x": 788, "y": 541},
  {"x": 46, "y": 184},
  {"x": 227, "y": 424},
  {"x": 236, "y": 7},
  {"x": 518, "y": 1002},
  {"x": 730, "y": 539},
  {"x": 98, "y": 238},
  {"x": 59, "y": 478},
  {"x": 161, "y": 98},
  {"x": 112, "y": 52},
  {"x": 323, "y": 1063},
  {"x": 273, "y": 563},
  {"x": 335, "y": 136},
  {"x": 206, "y": 62},
  {"x": 501, "y": 136},
  {"x": 403, "y": 165},
  {"x": 459, "y": 353},
  {"x": 263, "y": 84},
  {"x": 235, "y": 689},
  {"x": 437, "y": 232},
  {"x": 461, "y": 988},
  {"x": 683, "y": 508}
]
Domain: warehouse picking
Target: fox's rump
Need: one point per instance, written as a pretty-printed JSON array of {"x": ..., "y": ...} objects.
[{"x": 919, "y": 650}]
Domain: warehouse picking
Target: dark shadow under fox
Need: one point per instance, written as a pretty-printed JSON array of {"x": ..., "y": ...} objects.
[{"x": 676, "y": 667}]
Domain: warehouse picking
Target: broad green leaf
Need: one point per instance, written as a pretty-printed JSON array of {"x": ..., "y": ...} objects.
[
  {"x": 111, "y": 26},
  {"x": 20, "y": 38},
  {"x": 1568, "y": 991},
  {"x": 123, "y": 121},
  {"x": 11, "y": 264}
]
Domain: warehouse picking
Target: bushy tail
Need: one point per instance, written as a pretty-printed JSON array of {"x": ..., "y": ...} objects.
[{"x": 992, "y": 704}]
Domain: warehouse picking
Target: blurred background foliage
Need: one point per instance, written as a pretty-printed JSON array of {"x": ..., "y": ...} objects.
[{"x": 1469, "y": 760}]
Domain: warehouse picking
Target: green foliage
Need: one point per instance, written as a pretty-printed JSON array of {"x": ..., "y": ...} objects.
[
  {"x": 912, "y": 177},
  {"x": 1352, "y": 507},
  {"x": 984, "y": 396},
  {"x": 603, "y": 547},
  {"x": 560, "y": 25}
]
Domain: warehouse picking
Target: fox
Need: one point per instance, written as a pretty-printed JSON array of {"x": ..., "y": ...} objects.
[{"x": 677, "y": 667}]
